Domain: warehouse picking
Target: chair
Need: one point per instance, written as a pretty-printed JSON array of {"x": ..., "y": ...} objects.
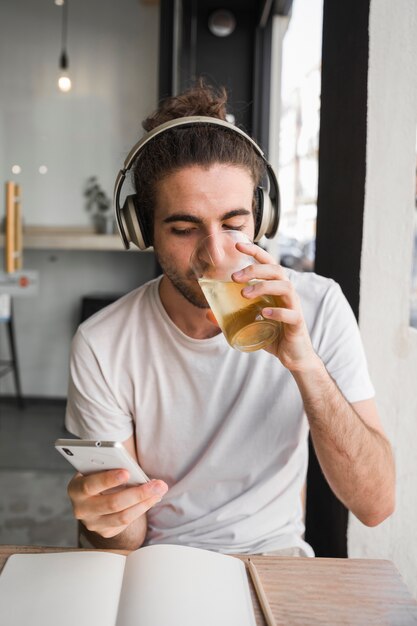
[{"x": 11, "y": 364}]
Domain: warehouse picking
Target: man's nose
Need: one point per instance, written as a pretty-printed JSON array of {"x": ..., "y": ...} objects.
[{"x": 215, "y": 252}]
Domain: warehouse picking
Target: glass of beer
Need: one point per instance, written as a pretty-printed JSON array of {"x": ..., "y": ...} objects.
[{"x": 213, "y": 262}]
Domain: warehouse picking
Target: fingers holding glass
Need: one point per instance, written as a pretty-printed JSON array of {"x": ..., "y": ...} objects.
[{"x": 214, "y": 261}]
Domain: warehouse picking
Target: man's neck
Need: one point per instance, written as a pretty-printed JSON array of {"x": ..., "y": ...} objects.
[{"x": 191, "y": 320}]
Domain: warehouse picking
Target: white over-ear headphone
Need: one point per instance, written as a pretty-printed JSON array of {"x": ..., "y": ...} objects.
[{"x": 130, "y": 218}]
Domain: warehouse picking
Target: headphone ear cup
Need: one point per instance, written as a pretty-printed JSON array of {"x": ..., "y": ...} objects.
[
  {"x": 134, "y": 227},
  {"x": 266, "y": 213}
]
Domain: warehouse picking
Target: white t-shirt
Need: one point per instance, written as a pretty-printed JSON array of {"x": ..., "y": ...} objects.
[{"x": 226, "y": 430}]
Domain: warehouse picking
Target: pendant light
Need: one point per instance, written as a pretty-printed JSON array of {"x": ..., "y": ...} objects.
[{"x": 64, "y": 81}]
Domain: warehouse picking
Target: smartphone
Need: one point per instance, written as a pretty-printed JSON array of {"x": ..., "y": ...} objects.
[{"x": 89, "y": 456}]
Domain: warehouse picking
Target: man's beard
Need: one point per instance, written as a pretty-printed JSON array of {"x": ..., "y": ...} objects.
[{"x": 182, "y": 285}]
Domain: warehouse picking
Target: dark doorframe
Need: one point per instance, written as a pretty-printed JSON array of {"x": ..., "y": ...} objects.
[
  {"x": 341, "y": 192},
  {"x": 240, "y": 62}
]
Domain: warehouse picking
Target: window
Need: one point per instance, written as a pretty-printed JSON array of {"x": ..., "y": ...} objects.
[{"x": 299, "y": 134}]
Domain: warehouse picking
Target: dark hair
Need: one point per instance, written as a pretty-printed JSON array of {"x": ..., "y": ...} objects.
[{"x": 194, "y": 145}]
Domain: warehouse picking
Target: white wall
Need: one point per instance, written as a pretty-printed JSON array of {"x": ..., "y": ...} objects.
[
  {"x": 113, "y": 55},
  {"x": 390, "y": 343},
  {"x": 45, "y": 323}
]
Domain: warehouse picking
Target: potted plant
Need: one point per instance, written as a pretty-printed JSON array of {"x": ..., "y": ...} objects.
[{"x": 98, "y": 204}]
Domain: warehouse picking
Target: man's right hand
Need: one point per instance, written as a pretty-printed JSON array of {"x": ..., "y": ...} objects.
[{"x": 109, "y": 514}]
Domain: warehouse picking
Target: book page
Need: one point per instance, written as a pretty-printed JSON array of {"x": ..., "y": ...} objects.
[
  {"x": 166, "y": 585},
  {"x": 65, "y": 588}
]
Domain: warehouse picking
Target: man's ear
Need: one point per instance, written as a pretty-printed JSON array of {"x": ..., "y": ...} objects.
[{"x": 211, "y": 318}]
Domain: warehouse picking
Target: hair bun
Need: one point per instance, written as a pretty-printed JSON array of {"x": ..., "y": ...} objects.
[{"x": 201, "y": 99}]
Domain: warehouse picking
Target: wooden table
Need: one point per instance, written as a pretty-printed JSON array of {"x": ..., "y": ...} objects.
[{"x": 320, "y": 592}]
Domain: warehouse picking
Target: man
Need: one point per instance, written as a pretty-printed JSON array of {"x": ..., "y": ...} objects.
[{"x": 223, "y": 433}]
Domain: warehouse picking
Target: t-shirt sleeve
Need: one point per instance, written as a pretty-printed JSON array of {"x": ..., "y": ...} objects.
[
  {"x": 340, "y": 347},
  {"x": 93, "y": 411}
]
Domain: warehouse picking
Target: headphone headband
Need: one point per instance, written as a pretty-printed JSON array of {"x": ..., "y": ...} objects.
[
  {"x": 126, "y": 223},
  {"x": 192, "y": 120}
]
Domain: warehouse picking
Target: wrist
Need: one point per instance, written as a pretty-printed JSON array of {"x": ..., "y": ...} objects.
[
  {"x": 316, "y": 387},
  {"x": 311, "y": 374},
  {"x": 309, "y": 366},
  {"x": 131, "y": 538}
]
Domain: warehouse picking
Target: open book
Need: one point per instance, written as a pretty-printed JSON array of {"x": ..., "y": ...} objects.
[{"x": 160, "y": 585}]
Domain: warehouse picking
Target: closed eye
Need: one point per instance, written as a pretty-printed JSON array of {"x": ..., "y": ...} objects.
[
  {"x": 233, "y": 227},
  {"x": 182, "y": 232}
]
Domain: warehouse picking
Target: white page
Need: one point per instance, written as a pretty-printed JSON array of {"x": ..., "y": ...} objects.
[
  {"x": 167, "y": 585},
  {"x": 65, "y": 588}
]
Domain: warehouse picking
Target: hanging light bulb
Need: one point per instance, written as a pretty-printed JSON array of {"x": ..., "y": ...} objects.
[{"x": 64, "y": 81}]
